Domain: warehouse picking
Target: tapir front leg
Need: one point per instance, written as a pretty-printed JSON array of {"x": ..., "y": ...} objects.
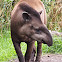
[
  {"x": 30, "y": 46},
  {"x": 18, "y": 49},
  {"x": 39, "y": 52}
]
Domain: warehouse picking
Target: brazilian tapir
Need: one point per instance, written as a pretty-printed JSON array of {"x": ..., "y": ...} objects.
[{"x": 28, "y": 24}]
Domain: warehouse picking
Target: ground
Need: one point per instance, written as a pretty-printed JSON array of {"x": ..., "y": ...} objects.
[
  {"x": 47, "y": 58},
  {"x": 52, "y": 58}
]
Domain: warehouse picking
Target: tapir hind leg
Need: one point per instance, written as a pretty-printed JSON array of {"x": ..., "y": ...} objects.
[
  {"x": 33, "y": 54},
  {"x": 30, "y": 46},
  {"x": 39, "y": 52}
]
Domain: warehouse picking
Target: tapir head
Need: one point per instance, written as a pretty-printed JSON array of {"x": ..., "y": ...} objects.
[{"x": 33, "y": 26}]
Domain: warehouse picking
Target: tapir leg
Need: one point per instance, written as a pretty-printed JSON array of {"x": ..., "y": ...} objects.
[
  {"x": 18, "y": 49},
  {"x": 30, "y": 46},
  {"x": 39, "y": 52},
  {"x": 32, "y": 59}
]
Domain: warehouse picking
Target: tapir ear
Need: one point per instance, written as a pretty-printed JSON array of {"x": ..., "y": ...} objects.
[{"x": 26, "y": 16}]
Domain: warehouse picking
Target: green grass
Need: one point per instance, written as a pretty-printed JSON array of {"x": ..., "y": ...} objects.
[
  {"x": 56, "y": 48},
  {"x": 6, "y": 47},
  {"x": 7, "y": 51}
]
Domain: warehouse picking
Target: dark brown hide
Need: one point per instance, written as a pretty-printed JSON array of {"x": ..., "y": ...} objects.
[{"x": 27, "y": 26}]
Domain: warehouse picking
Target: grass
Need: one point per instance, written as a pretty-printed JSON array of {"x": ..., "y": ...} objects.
[
  {"x": 6, "y": 47},
  {"x": 56, "y": 48},
  {"x": 7, "y": 51}
]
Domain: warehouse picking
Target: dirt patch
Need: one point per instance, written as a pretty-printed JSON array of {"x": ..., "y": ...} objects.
[
  {"x": 46, "y": 58},
  {"x": 52, "y": 58}
]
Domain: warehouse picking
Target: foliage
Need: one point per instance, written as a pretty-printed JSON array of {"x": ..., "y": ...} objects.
[
  {"x": 5, "y": 11},
  {"x": 54, "y": 14},
  {"x": 6, "y": 48}
]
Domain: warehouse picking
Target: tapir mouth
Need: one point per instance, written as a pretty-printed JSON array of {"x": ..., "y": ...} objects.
[{"x": 46, "y": 43}]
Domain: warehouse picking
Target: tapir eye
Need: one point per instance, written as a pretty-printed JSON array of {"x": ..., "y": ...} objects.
[
  {"x": 26, "y": 16},
  {"x": 40, "y": 12}
]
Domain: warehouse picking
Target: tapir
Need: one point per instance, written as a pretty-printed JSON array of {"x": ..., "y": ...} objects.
[{"x": 28, "y": 24}]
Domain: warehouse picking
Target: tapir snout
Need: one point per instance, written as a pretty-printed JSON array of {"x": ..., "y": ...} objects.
[{"x": 43, "y": 35}]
